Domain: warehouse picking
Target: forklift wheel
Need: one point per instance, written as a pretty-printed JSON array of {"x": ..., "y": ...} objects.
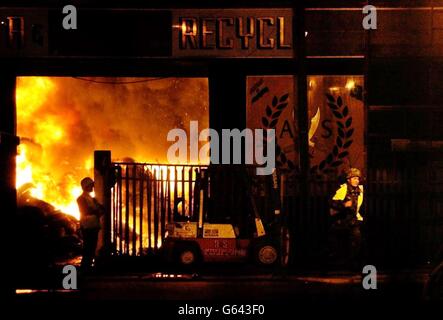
[
  {"x": 187, "y": 256},
  {"x": 266, "y": 254}
]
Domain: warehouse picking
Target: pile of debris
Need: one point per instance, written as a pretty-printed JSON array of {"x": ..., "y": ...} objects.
[{"x": 45, "y": 234}]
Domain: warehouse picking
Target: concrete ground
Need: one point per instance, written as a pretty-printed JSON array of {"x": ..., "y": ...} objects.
[{"x": 279, "y": 291}]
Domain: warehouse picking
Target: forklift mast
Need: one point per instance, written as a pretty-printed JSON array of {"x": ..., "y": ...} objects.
[{"x": 202, "y": 193}]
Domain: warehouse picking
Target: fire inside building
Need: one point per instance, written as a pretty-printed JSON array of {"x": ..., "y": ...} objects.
[{"x": 99, "y": 99}]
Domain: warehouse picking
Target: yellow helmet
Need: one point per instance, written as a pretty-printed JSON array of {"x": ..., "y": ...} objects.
[{"x": 353, "y": 172}]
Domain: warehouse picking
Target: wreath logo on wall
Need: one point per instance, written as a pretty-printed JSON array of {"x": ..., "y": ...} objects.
[
  {"x": 269, "y": 121},
  {"x": 343, "y": 139}
]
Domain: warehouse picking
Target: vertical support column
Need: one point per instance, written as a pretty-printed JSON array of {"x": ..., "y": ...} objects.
[
  {"x": 227, "y": 102},
  {"x": 227, "y": 97},
  {"x": 102, "y": 179},
  {"x": 366, "y": 104},
  {"x": 302, "y": 217},
  {"x": 8, "y": 193}
]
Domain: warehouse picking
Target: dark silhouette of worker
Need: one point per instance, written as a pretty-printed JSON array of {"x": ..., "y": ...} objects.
[
  {"x": 90, "y": 212},
  {"x": 345, "y": 234}
]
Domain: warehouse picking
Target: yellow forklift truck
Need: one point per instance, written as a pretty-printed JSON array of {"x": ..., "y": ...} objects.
[{"x": 190, "y": 242}]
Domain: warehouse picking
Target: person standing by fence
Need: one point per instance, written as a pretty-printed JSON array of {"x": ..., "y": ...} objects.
[
  {"x": 90, "y": 213},
  {"x": 345, "y": 235}
]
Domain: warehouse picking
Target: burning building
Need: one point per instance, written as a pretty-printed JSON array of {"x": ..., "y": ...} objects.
[{"x": 337, "y": 95}]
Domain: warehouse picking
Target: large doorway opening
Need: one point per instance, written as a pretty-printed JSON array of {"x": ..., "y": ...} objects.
[{"x": 61, "y": 121}]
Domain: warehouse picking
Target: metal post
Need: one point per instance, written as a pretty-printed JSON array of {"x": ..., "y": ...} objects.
[
  {"x": 102, "y": 172},
  {"x": 200, "y": 208},
  {"x": 366, "y": 102},
  {"x": 302, "y": 119},
  {"x": 141, "y": 196},
  {"x": 127, "y": 194},
  {"x": 8, "y": 196},
  {"x": 134, "y": 210}
]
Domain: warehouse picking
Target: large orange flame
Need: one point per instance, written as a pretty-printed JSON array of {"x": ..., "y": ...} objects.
[
  {"x": 61, "y": 121},
  {"x": 39, "y": 136}
]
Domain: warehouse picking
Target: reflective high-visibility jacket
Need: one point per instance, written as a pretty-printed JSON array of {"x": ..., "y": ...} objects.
[{"x": 340, "y": 194}]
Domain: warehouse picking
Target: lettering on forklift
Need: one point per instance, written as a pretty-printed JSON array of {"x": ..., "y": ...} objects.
[
  {"x": 191, "y": 310},
  {"x": 211, "y": 233},
  {"x": 220, "y": 244},
  {"x": 220, "y": 249},
  {"x": 219, "y": 252},
  {"x": 225, "y": 252},
  {"x": 230, "y": 252}
]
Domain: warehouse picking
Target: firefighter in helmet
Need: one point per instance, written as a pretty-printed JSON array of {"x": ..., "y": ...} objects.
[
  {"x": 345, "y": 234},
  {"x": 90, "y": 213}
]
